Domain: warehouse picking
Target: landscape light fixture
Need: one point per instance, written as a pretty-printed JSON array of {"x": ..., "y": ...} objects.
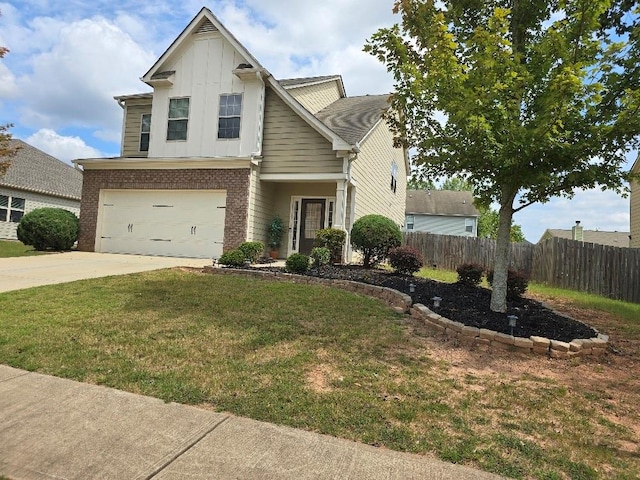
[
  {"x": 513, "y": 319},
  {"x": 412, "y": 287},
  {"x": 436, "y": 301}
]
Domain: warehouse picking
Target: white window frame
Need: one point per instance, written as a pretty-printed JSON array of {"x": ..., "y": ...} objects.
[
  {"x": 294, "y": 218},
  {"x": 409, "y": 225},
  {"x": 226, "y": 116},
  {"x": 143, "y": 132},
  {"x": 469, "y": 223},
  {"x": 10, "y": 208},
  {"x": 178, "y": 119},
  {"x": 394, "y": 176}
]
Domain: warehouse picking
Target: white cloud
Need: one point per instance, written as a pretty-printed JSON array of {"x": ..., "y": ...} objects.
[
  {"x": 73, "y": 82},
  {"x": 7, "y": 82},
  {"x": 61, "y": 147}
]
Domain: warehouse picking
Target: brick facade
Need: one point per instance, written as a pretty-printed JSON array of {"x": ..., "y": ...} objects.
[{"x": 234, "y": 181}]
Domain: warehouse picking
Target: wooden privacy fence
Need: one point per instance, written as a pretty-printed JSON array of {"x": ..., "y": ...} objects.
[{"x": 612, "y": 272}]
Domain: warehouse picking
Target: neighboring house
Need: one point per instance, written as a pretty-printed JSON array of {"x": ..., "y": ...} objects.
[
  {"x": 442, "y": 212},
  {"x": 634, "y": 240},
  {"x": 35, "y": 180},
  {"x": 220, "y": 147},
  {"x": 613, "y": 239}
]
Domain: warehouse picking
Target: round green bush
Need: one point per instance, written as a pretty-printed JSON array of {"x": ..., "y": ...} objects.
[
  {"x": 232, "y": 258},
  {"x": 297, "y": 263},
  {"x": 49, "y": 228},
  {"x": 320, "y": 256},
  {"x": 251, "y": 250},
  {"x": 333, "y": 239},
  {"x": 405, "y": 260},
  {"x": 374, "y": 236}
]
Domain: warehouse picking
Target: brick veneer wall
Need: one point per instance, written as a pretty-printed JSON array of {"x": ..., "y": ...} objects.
[{"x": 234, "y": 181}]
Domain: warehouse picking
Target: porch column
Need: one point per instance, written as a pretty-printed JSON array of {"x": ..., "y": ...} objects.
[{"x": 340, "y": 219}]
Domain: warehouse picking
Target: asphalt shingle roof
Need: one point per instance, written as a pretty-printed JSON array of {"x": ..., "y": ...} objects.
[
  {"x": 292, "y": 82},
  {"x": 613, "y": 239},
  {"x": 440, "y": 202},
  {"x": 33, "y": 170},
  {"x": 351, "y": 118}
]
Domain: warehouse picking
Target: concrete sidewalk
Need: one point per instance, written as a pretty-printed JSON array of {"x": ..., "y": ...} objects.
[
  {"x": 57, "y": 428},
  {"x": 25, "y": 272}
]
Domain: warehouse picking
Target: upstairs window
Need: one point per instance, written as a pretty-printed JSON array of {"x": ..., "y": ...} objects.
[
  {"x": 145, "y": 132},
  {"x": 229, "y": 116},
  {"x": 178, "y": 118},
  {"x": 410, "y": 221},
  {"x": 11, "y": 209},
  {"x": 394, "y": 176},
  {"x": 468, "y": 225}
]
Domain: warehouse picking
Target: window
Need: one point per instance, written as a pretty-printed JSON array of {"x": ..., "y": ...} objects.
[
  {"x": 410, "y": 222},
  {"x": 11, "y": 209},
  {"x": 145, "y": 132},
  {"x": 394, "y": 176},
  {"x": 468, "y": 225},
  {"x": 178, "y": 118},
  {"x": 229, "y": 116}
]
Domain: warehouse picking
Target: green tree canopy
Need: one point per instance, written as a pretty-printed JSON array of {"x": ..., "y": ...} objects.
[
  {"x": 6, "y": 151},
  {"x": 525, "y": 100}
]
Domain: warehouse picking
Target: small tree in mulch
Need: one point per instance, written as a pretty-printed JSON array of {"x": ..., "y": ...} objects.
[{"x": 374, "y": 236}]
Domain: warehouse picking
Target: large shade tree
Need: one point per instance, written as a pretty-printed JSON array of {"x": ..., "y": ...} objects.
[
  {"x": 6, "y": 150},
  {"x": 525, "y": 100}
]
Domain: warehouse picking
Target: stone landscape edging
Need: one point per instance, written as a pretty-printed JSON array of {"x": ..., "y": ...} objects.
[{"x": 465, "y": 334}]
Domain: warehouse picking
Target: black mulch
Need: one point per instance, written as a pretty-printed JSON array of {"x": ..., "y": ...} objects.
[{"x": 468, "y": 305}]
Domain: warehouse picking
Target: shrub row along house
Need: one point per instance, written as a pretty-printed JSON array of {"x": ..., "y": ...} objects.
[
  {"x": 220, "y": 147},
  {"x": 35, "y": 180}
]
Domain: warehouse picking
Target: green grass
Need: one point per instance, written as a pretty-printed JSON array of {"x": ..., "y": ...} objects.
[
  {"x": 316, "y": 358},
  {"x": 13, "y": 248}
]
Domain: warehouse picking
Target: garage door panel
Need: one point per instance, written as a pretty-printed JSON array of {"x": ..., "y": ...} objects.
[{"x": 164, "y": 223}]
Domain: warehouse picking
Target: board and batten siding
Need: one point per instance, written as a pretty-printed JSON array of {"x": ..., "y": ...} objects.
[
  {"x": 444, "y": 225},
  {"x": 634, "y": 242},
  {"x": 33, "y": 201},
  {"x": 372, "y": 174},
  {"x": 316, "y": 97},
  {"x": 132, "y": 122},
  {"x": 290, "y": 145},
  {"x": 203, "y": 71}
]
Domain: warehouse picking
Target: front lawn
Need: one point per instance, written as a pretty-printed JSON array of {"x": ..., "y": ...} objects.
[
  {"x": 333, "y": 362},
  {"x": 14, "y": 248}
]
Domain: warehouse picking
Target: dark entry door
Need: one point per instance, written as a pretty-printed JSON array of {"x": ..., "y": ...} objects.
[{"x": 311, "y": 220}]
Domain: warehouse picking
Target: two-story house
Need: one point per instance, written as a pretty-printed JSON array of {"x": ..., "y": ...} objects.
[{"x": 220, "y": 147}]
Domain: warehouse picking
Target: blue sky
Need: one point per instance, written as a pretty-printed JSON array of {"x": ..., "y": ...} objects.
[{"x": 68, "y": 58}]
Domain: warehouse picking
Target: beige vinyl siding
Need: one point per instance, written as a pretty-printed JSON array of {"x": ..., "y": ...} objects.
[
  {"x": 372, "y": 173},
  {"x": 260, "y": 207},
  {"x": 290, "y": 145},
  {"x": 635, "y": 212},
  {"x": 33, "y": 201},
  {"x": 316, "y": 97},
  {"x": 133, "y": 119}
]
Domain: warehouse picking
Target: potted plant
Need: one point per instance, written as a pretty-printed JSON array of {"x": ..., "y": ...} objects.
[{"x": 275, "y": 230}]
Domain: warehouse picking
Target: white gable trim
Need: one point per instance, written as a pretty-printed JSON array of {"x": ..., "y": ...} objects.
[{"x": 191, "y": 28}]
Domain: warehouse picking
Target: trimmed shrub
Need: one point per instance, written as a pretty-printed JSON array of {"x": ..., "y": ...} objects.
[
  {"x": 297, "y": 263},
  {"x": 333, "y": 239},
  {"x": 374, "y": 236},
  {"x": 251, "y": 250},
  {"x": 517, "y": 283},
  {"x": 49, "y": 229},
  {"x": 470, "y": 274},
  {"x": 405, "y": 260},
  {"x": 232, "y": 258},
  {"x": 320, "y": 256}
]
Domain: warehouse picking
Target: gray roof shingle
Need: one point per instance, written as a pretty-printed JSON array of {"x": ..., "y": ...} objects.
[
  {"x": 612, "y": 239},
  {"x": 293, "y": 82},
  {"x": 441, "y": 202},
  {"x": 351, "y": 118},
  {"x": 33, "y": 170}
]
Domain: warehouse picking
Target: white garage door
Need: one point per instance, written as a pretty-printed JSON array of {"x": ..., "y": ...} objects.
[{"x": 171, "y": 223}]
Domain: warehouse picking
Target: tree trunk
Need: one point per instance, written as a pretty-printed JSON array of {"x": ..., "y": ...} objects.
[{"x": 501, "y": 261}]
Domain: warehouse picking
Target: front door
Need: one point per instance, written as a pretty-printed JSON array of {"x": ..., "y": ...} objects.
[{"x": 311, "y": 220}]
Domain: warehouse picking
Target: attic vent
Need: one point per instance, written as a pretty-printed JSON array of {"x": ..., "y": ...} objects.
[{"x": 206, "y": 27}]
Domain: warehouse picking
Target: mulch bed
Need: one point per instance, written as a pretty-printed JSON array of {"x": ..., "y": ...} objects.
[{"x": 467, "y": 305}]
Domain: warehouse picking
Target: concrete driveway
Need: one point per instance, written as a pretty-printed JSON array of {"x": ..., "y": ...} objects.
[{"x": 24, "y": 272}]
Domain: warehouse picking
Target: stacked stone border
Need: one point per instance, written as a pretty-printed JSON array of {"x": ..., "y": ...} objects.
[{"x": 466, "y": 335}]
